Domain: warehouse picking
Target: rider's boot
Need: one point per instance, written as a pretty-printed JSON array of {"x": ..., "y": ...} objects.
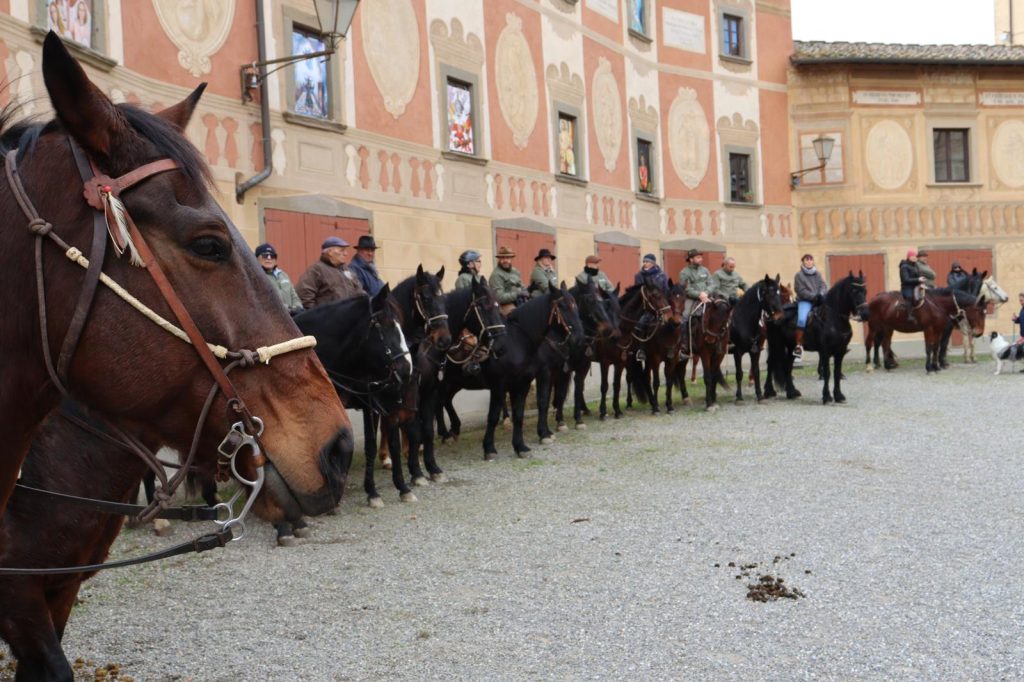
[{"x": 798, "y": 352}]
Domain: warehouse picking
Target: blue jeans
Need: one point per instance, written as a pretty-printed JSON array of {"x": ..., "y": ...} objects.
[{"x": 802, "y": 310}]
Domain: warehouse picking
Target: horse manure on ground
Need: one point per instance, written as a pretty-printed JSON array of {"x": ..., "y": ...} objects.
[{"x": 766, "y": 586}]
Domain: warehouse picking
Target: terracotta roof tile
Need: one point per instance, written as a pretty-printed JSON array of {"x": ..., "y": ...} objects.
[{"x": 818, "y": 52}]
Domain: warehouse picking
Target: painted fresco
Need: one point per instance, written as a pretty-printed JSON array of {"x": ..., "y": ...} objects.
[
  {"x": 460, "y": 118},
  {"x": 567, "y": 145},
  {"x": 71, "y": 19},
  {"x": 310, "y": 97}
]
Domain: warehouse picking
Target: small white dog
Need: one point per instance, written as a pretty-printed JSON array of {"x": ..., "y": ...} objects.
[{"x": 1003, "y": 350}]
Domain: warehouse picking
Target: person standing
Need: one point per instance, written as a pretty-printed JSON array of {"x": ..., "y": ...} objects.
[
  {"x": 810, "y": 289},
  {"x": 592, "y": 271},
  {"x": 363, "y": 265},
  {"x": 925, "y": 269},
  {"x": 910, "y": 280},
  {"x": 329, "y": 279},
  {"x": 506, "y": 282},
  {"x": 544, "y": 278},
  {"x": 267, "y": 256},
  {"x": 651, "y": 272},
  {"x": 1019, "y": 319},
  {"x": 696, "y": 278},
  {"x": 469, "y": 270},
  {"x": 726, "y": 281}
]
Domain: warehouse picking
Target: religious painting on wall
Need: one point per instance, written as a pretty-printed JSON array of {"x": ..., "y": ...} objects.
[
  {"x": 638, "y": 16},
  {"x": 645, "y": 179},
  {"x": 567, "y": 145},
  {"x": 310, "y": 95},
  {"x": 71, "y": 19},
  {"x": 460, "y": 117}
]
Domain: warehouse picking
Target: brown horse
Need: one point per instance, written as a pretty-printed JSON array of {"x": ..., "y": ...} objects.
[
  {"x": 72, "y": 333},
  {"x": 935, "y": 312},
  {"x": 662, "y": 349},
  {"x": 707, "y": 336}
]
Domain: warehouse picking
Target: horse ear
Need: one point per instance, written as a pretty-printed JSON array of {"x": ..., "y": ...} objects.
[
  {"x": 984, "y": 274},
  {"x": 851, "y": 273},
  {"x": 440, "y": 274},
  {"x": 860, "y": 273},
  {"x": 618, "y": 285},
  {"x": 419, "y": 270},
  {"x": 87, "y": 114},
  {"x": 557, "y": 293},
  {"x": 670, "y": 284},
  {"x": 778, "y": 279},
  {"x": 378, "y": 302},
  {"x": 181, "y": 113}
]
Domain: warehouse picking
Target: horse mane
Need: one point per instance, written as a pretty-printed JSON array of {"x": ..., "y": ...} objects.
[
  {"x": 165, "y": 137},
  {"x": 962, "y": 298},
  {"x": 532, "y": 316}
]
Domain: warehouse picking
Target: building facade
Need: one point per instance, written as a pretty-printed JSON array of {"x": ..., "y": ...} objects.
[
  {"x": 929, "y": 153},
  {"x": 617, "y": 126}
]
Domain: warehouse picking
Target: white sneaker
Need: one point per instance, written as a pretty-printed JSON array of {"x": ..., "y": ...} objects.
[{"x": 798, "y": 355}]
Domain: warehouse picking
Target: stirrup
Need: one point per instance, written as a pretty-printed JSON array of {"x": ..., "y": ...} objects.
[{"x": 641, "y": 356}]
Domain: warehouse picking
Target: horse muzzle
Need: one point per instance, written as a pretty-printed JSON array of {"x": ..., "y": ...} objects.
[{"x": 335, "y": 461}]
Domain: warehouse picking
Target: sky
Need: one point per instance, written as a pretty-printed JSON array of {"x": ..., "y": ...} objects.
[{"x": 895, "y": 21}]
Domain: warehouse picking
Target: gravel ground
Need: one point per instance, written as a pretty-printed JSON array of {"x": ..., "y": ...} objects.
[{"x": 898, "y": 516}]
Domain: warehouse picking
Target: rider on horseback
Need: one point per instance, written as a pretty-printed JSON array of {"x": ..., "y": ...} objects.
[
  {"x": 507, "y": 283},
  {"x": 911, "y": 281},
  {"x": 726, "y": 281},
  {"x": 469, "y": 272},
  {"x": 650, "y": 272},
  {"x": 592, "y": 271},
  {"x": 810, "y": 291}
]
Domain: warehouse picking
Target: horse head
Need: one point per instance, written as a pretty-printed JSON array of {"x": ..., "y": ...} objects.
[
  {"x": 154, "y": 187},
  {"x": 992, "y": 291},
  {"x": 677, "y": 300},
  {"x": 854, "y": 296},
  {"x": 592, "y": 310},
  {"x": 974, "y": 315},
  {"x": 487, "y": 313},
  {"x": 771, "y": 301},
  {"x": 429, "y": 301},
  {"x": 385, "y": 344},
  {"x": 786, "y": 293},
  {"x": 610, "y": 303},
  {"x": 654, "y": 300},
  {"x": 564, "y": 316}
]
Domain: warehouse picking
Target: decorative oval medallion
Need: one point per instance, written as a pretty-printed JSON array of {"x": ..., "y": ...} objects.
[
  {"x": 607, "y": 104},
  {"x": 890, "y": 155},
  {"x": 689, "y": 138},
  {"x": 391, "y": 44},
  {"x": 198, "y": 28},
  {"x": 1008, "y": 153},
  {"x": 516, "y": 81}
]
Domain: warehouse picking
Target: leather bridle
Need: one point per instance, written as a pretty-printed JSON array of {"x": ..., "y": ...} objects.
[
  {"x": 103, "y": 193},
  {"x": 479, "y": 343}
]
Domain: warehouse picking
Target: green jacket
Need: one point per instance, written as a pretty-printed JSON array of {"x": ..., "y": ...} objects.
[
  {"x": 600, "y": 279},
  {"x": 725, "y": 284},
  {"x": 465, "y": 280},
  {"x": 928, "y": 274},
  {"x": 697, "y": 280},
  {"x": 542, "y": 281},
  {"x": 285, "y": 289},
  {"x": 506, "y": 284}
]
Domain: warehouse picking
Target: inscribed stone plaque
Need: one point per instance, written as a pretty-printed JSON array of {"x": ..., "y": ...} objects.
[
  {"x": 891, "y": 98},
  {"x": 609, "y": 8},
  {"x": 683, "y": 30},
  {"x": 1002, "y": 99}
]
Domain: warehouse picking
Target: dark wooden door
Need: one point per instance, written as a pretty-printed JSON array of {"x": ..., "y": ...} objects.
[
  {"x": 941, "y": 261},
  {"x": 298, "y": 236},
  {"x": 871, "y": 264},
  {"x": 619, "y": 262}
]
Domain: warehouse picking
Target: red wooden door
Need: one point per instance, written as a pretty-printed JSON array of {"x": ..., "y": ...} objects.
[
  {"x": 619, "y": 262},
  {"x": 871, "y": 264},
  {"x": 941, "y": 261},
  {"x": 674, "y": 260},
  {"x": 298, "y": 236},
  {"x": 526, "y": 245}
]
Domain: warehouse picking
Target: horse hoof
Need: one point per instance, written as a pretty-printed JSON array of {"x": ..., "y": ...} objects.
[
  {"x": 523, "y": 454},
  {"x": 286, "y": 541},
  {"x": 439, "y": 477},
  {"x": 162, "y": 528},
  {"x": 826, "y": 401},
  {"x": 506, "y": 423},
  {"x": 303, "y": 532},
  {"x": 711, "y": 408},
  {"x": 420, "y": 482},
  {"x": 840, "y": 401},
  {"x": 547, "y": 440},
  {"x": 739, "y": 399},
  {"x": 687, "y": 402},
  {"x": 490, "y": 456},
  {"x": 580, "y": 426},
  {"x": 375, "y": 503},
  {"x": 870, "y": 369},
  {"x": 602, "y": 418},
  {"x": 386, "y": 464},
  {"x": 562, "y": 428},
  {"x": 670, "y": 410},
  {"x": 618, "y": 416},
  {"x": 408, "y": 497}
]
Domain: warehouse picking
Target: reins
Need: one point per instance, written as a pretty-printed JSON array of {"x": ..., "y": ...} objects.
[{"x": 479, "y": 350}]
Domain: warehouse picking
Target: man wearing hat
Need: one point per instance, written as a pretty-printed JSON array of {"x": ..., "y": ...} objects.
[
  {"x": 363, "y": 267},
  {"x": 726, "y": 282},
  {"x": 544, "y": 278},
  {"x": 267, "y": 256},
  {"x": 329, "y": 279},
  {"x": 591, "y": 271},
  {"x": 696, "y": 278},
  {"x": 957, "y": 278},
  {"x": 651, "y": 272},
  {"x": 925, "y": 269},
  {"x": 506, "y": 282},
  {"x": 910, "y": 280},
  {"x": 469, "y": 269}
]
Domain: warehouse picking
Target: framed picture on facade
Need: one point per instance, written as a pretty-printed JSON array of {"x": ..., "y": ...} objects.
[
  {"x": 460, "y": 117},
  {"x": 567, "y": 145},
  {"x": 644, "y": 167},
  {"x": 638, "y": 16},
  {"x": 310, "y": 96},
  {"x": 71, "y": 20}
]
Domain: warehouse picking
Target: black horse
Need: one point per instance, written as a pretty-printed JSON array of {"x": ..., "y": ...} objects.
[
  {"x": 781, "y": 335},
  {"x": 747, "y": 331},
  {"x": 361, "y": 345},
  {"x": 600, "y": 317},
  {"x": 640, "y": 302},
  {"x": 829, "y": 332},
  {"x": 540, "y": 334},
  {"x": 707, "y": 337}
]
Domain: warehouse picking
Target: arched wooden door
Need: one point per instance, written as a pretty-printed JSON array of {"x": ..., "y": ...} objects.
[{"x": 298, "y": 236}]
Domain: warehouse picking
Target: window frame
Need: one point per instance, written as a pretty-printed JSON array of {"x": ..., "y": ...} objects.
[
  {"x": 97, "y": 54},
  {"x": 652, "y": 166},
  {"x": 560, "y": 111},
  {"x": 447, "y": 74},
  {"x": 645, "y": 34},
  {"x": 293, "y": 21},
  {"x": 727, "y": 21},
  {"x": 744, "y": 59},
  {"x": 937, "y": 133}
]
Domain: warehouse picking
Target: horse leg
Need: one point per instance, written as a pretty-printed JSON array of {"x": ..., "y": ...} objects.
[
  {"x": 738, "y": 361},
  {"x": 889, "y": 358},
  {"x": 616, "y": 390},
  {"x": 579, "y": 408},
  {"x": 837, "y": 392},
  {"x": 497, "y": 401},
  {"x": 684, "y": 393},
  {"x": 653, "y": 380},
  {"x": 824, "y": 370},
  {"x": 561, "y": 390},
  {"x": 370, "y": 449},
  {"x": 453, "y": 416},
  {"x": 755, "y": 372},
  {"x": 669, "y": 368},
  {"x": 603, "y": 410},
  {"x": 429, "y": 405},
  {"x": 28, "y": 629},
  {"x": 518, "y": 396},
  {"x": 710, "y": 380},
  {"x": 543, "y": 400}
]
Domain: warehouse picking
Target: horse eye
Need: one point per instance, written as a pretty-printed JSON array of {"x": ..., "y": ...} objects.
[{"x": 210, "y": 248}]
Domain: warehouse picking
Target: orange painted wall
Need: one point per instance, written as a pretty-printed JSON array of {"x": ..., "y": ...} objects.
[
  {"x": 5, "y": 6},
  {"x": 668, "y": 87},
  {"x": 415, "y": 124},
  {"x": 774, "y": 45},
  {"x": 148, "y": 50},
  {"x": 538, "y": 148},
  {"x": 621, "y": 176},
  {"x": 774, "y": 154},
  {"x": 601, "y": 23},
  {"x": 677, "y": 57}
]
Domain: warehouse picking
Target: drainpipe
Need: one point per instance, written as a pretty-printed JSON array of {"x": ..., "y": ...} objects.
[
  {"x": 268, "y": 160},
  {"x": 1011, "y": 22}
]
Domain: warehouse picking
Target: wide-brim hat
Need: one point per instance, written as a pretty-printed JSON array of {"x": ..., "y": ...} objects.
[
  {"x": 505, "y": 252},
  {"x": 544, "y": 253},
  {"x": 692, "y": 252},
  {"x": 366, "y": 242}
]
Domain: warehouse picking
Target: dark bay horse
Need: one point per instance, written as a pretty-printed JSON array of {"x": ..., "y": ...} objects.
[
  {"x": 362, "y": 347},
  {"x": 538, "y": 335},
  {"x": 938, "y": 311},
  {"x": 747, "y": 333},
  {"x": 103, "y": 351},
  {"x": 781, "y": 334},
  {"x": 600, "y": 323},
  {"x": 707, "y": 336},
  {"x": 662, "y": 348},
  {"x": 829, "y": 332}
]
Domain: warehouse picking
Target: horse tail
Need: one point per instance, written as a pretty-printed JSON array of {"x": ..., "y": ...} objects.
[
  {"x": 637, "y": 378},
  {"x": 776, "y": 356}
]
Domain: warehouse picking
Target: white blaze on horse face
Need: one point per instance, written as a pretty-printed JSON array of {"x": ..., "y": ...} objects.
[
  {"x": 405, "y": 348},
  {"x": 998, "y": 294}
]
